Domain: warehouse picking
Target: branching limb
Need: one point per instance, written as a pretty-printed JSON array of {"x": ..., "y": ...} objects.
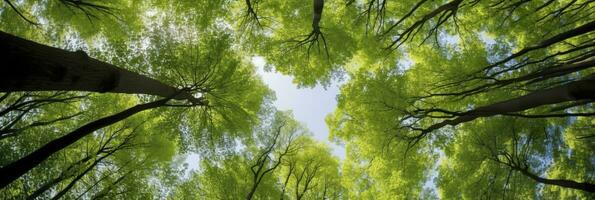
[
  {"x": 88, "y": 8},
  {"x": 313, "y": 38},
  {"x": 374, "y": 13},
  {"x": 586, "y": 28},
  {"x": 15, "y": 9},
  {"x": 528, "y": 79},
  {"x": 575, "y": 91},
  {"x": 251, "y": 15},
  {"x": 443, "y": 14},
  {"x": 517, "y": 161}
]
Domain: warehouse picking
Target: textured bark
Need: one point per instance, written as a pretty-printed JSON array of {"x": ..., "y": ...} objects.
[
  {"x": 30, "y": 66},
  {"x": 16, "y": 169}
]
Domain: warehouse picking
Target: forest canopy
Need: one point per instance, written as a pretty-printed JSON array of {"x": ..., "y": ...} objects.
[{"x": 443, "y": 99}]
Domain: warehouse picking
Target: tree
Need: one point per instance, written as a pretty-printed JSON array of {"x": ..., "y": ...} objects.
[
  {"x": 309, "y": 173},
  {"x": 458, "y": 99},
  {"x": 96, "y": 159},
  {"x": 219, "y": 82},
  {"x": 87, "y": 7},
  {"x": 19, "y": 107},
  {"x": 103, "y": 152},
  {"x": 495, "y": 156},
  {"x": 17, "y": 168},
  {"x": 262, "y": 164},
  {"x": 451, "y": 85},
  {"x": 260, "y": 169},
  {"x": 38, "y": 67}
]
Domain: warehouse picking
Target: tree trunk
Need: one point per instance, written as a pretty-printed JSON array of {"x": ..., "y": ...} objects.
[
  {"x": 16, "y": 169},
  {"x": 251, "y": 193},
  {"x": 317, "y": 15},
  {"x": 588, "y": 187},
  {"x": 574, "y": 91},
  {"x": 255, "y": 182},
  {"x": 30, "y": 66}
]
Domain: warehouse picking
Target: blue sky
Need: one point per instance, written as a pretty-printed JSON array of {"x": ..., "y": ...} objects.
[{"x": 309, "y": 105}]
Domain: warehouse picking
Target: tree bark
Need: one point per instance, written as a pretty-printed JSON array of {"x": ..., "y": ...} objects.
[
  {"x": 16, "y": 169},
  {"x": 587, "y": 187},
  {"x": 317, "y": 15},
  {"x": 574, "y": 91},
  {"x": 30, "y": 66}
]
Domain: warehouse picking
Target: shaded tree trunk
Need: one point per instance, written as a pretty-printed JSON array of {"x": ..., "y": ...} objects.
[
  {"x": 574, "y": 91},
  {"x": 588, "y": 187},
  {"x": 30, "y": 66},
  {"x": 317, "y": 15},
  {"x": 16, "y": 169}
]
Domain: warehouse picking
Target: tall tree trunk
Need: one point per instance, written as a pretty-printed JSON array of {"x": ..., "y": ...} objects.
[
  {"x": 588, "y": 187},
  {"x": 30, "y": 66},
  {"x": 574, "y": 91},
  {"x": 317, "y": 15},
  {"x": 16, "y": 169}
]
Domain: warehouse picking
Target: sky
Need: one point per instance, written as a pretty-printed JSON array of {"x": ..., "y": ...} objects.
[{"x": 310, "y": 106}]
